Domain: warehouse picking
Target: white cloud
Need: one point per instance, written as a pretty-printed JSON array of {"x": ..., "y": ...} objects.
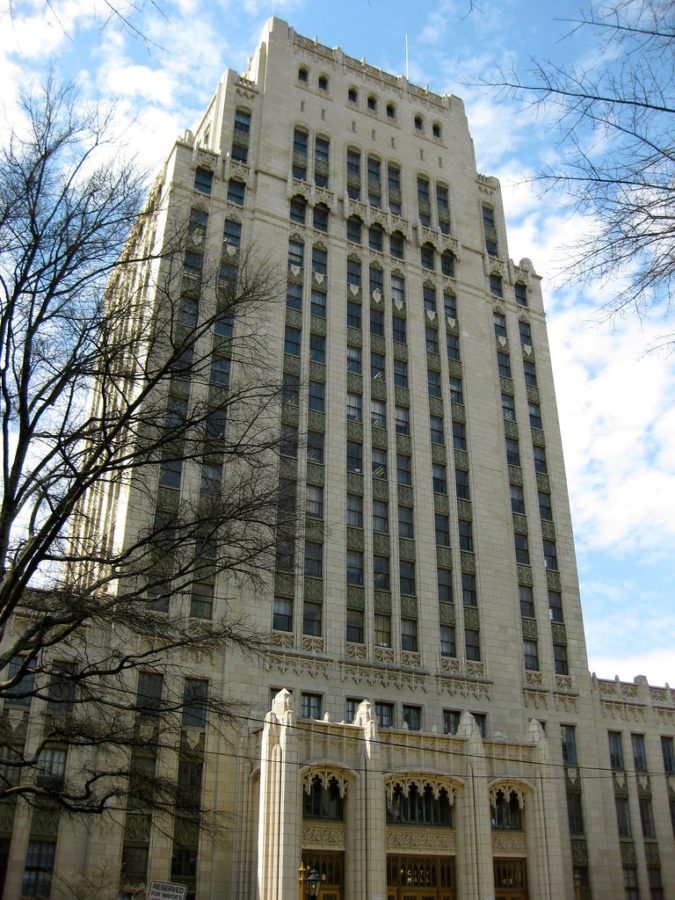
[{"x": 656, "y": 666}]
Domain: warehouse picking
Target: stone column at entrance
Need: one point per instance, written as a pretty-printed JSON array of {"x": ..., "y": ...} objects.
[
  {"x": 279, "y": 822},
  {"x": 475, "y": 877},
  {"x": 545, "y": 869}
]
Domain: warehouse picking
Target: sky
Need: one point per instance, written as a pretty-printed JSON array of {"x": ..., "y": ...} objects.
[{"x": 616, "y": 393}]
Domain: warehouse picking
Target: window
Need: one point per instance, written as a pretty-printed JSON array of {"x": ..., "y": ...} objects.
[
  {"x": 429, "y": 296},
  {"x": 203, "y": 180},
  {"x": 506, "y": 812},
  {"x": 400, "y": 373},
  {"x": 512, "y": 452},
  {"x": 378, "y": 413},
  {"x": 504, "y": 365},
  {"x": 409, "y": 635},
  {"x": 355, "y": 626},
  {"x": 391, "y": 111},
  {"x": 442, "y": 529},
  {"x": 526, "y": 601},
  {"x": 296, "y": 254},
  {"x": 374, "y": 184},
  {"x": 452, "y": 346},
  {"x": 149, "y": 694},
  {"x": 431, "y": 336},
  {"x": 412, "y": 716},
  {"x": 450, "y": 306},
  {"x": 407, "y": 577},
  {"x": 354, "y": 229},
  {"x": 303, "y": 74},
  {"x": 352, "y": 95},
  {"x": 19, "y": 694},
  {"x": 37, "y": 875},
  {"x": 522, "y": 549},
  {"x": 434, "y": 383},
  {"x": 354, "y": 272},
  {"x": 394, "y": 186},
  {"x": 439, "y": 478},
  {"x": 428, "y": 256},
  {"x": 444, "y": 582},
  {"x": 314, "y": 501},
  {"x": 530, "y": 656},
  {"x": 451, "y": 721},
  {"x": 508, "y": 408},
  {"x": 668, "y": 753},
  {"x": 376, "y": 366},
  {"x": 436, "y": 429},
  {"x": 316, "y": 396},
  {"x": 381, "y": 573},
  {"x": 550, "y": 555},
  {"x": 530, "y": 371},
  {"x": 169, "y": 477},
  {"x": 385, "y": 714},
  {"x": 381, "y": 516},
  {"x": 534, "y": 411},
  {"x": 443, "y": 208},
  {"x": 282, "y": 616},
  {"x": 288, "y": 445},
  {"x": 323, "y": 82},
  {"x": 298, "y": 210},
  {"x": 382, "y": 631},
  {"x": 300, "y": 142},
  {"x": 397, "y": 291},
  {"x": 51, "y": 767},
  {"x": 545, "y": 506},
  {"x": 560, "y": 659},
  {"x": 540, "y": 460},
  {"x": 232, "y": 233},
  {"x": 462, "y": 484},
  {"x": 236, "y": 191},
  {"x": 402, "y": 420},
  {"x": 354, "y": 457},
  {"x": 517, "y": 499},
  {"x": 459, "y": 436},
  {"x": 521, "y": 293},
  {"x": 354, "y": 360},
  {"x": 499, "y": 322},
  {"x": 623, "y": 817},
  {"x": 193, "y": 263},
  {"x": 353, "y": 315},
  {"x": 310, "y": 706},
  {"x": 317, "y": 348},
  {"x": 456, "y": 390},
  {"x": 496, "y": 285},
  {"x": 639, "y": 753},
  {"x": 372, "y": 102},
  {"x": 376, "y": 240},
  {"x": 436, "y": 130},
  {"x": 311, "y": 619},
  {"x": 201, "y": 600},
  {"x": 397, "y": 244},
  {"x": 318, "y": 306},
  {"x": 197, "y": 224},
  {"x": 525, "y": 334},
  {"x": 377, "y": 322},
  {"x": 403, "y": 469},
  {"x": 575, "y": 817},
  {"x": 405, "y": 522},
  {"x": 419, "y": 123},
  {"x": 448, "y": 264},
  {"x": 465, "y": 535},
  {"x": 188, "y": 311},
  {"x": 320, "y": 216},
  {"x": 569, "y": 745},
  {"x": 315, "y": 447},
  {"x": 555, "y": 606},
  {"x": 212, "y": 474},
  {"x": 355, "y": 510},
  {"x": 313, "y": 559},
  {"x": 655, "y": 883},
  {"x": 398, "y": 329},
  {"x": 195, "y": 694},
  {"x": 615, "y": 750},
  {"x": 379, "y": 463},
  {"x": 62, "y": 688},
  {"x": 447, "y": 640},
  {"x": 472, "y": 644},
  {"x": 294, "y": 296},
  {"x": 354, "y": 567},
  {"x": 319, "y": 260}
]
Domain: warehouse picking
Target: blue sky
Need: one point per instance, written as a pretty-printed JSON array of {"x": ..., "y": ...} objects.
[{"x": 616, "y": 399}]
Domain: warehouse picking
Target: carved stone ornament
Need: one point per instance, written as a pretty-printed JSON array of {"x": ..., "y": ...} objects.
[
  {"x": 422, "y": 840},
  {"x": 403, "y": 783},
  {"x": 509, "y": 843},
  {"x": 334, "y": 837},
  {"x": 325, "y": 775},
  {"x": 282, "y": 638},
  {"x": 506, "y": 788}
]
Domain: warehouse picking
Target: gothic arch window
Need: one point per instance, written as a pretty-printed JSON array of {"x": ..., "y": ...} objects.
[
  {"x": 506, "y": 808},
  {"x": 419, "y": 801},
  {"x": 323, "y": 796}
]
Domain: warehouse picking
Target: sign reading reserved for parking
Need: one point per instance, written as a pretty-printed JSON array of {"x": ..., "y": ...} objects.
[{"x": 166, "y": 890}]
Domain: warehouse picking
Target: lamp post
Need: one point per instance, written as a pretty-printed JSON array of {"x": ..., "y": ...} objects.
[{"x": 311, "y": 879}]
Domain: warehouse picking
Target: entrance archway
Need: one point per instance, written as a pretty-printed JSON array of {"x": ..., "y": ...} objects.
[{"x": 421, "y": 878}]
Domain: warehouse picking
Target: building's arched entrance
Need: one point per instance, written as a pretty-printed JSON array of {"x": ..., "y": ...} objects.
[
  {"x": 420, "y": 878},
  {"x": 330, "y": 867},
  {"x": 510, "y": 879}
]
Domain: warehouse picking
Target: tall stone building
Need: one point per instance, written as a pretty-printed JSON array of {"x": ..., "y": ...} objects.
[{"x": 424, "y": 724}]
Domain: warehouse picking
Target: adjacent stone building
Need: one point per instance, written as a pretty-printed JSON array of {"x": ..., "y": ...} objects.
[{"x": 424, "y": 724}]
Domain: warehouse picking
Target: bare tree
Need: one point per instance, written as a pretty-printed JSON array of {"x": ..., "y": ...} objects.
[
  {"x": 130, "y": 364},
  {"x": 616, "y": 121}
]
